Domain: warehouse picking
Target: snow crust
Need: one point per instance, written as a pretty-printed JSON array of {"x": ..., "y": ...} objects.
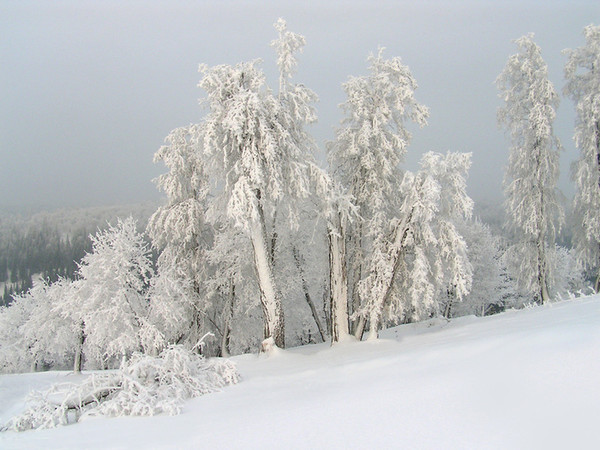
[{"x": 522, "y": 379}]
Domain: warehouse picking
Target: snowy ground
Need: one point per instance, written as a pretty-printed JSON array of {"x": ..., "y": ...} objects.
[{"x": 521, "y": 380}]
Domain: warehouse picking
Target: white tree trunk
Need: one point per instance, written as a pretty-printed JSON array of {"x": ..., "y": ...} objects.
[
  {"x": 360, "y": 328},
  {"x": 269, "y": 295},
  {"x": 354, "y": 276},
  {"x": 78, "y": 361},
  {"x": 227, "y": 324},
  {"x": 307, "y": 297},
  {"x": 542, "y": 278},
  {"x": 373, "y": 326},
  {"x": 338, "y": 280}
]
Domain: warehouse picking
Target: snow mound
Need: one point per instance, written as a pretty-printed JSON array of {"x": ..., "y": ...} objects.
[{"x": 143, "y": 386}]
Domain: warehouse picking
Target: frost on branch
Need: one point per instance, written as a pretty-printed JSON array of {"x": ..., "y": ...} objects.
[{"x": 143, "y": 386}]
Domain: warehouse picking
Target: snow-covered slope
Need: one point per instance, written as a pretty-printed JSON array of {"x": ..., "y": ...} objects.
[{"x": 523, "y": 379}]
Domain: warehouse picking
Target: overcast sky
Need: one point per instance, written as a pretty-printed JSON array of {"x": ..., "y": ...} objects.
[{"x": 89, "y": 90}]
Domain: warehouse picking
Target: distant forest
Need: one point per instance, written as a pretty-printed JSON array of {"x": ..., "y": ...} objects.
[{"x": 50, "y": 244}]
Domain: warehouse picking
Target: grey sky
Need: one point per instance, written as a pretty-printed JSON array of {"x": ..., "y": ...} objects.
[{"x": 89, "y": 90}]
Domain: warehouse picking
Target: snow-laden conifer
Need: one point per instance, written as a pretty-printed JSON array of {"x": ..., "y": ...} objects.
[
  {"x": 533, "y": 211},
  {"x": 582, "y": 72}
]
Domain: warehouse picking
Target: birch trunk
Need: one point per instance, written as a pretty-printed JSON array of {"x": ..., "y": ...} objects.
[
  {"x": 269, "y": 296},
  {"x": 338, "y": 280},
  {"x": 78, "y": 361},
  {"x": 227, "y": 325},
  {"x": 542, "y": 269},
  {"x": 360, "y": 328},
  {"x": 307, "y": 297}
]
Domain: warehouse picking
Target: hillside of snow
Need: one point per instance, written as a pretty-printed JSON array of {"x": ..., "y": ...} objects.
[{"x": 526, "y": 379}]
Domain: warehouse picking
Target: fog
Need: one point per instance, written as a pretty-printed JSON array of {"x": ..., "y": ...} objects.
[{"x": 89, "y": 90}]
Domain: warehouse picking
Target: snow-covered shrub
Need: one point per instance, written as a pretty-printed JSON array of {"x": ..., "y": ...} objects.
[{"x": 143, "y": 386}]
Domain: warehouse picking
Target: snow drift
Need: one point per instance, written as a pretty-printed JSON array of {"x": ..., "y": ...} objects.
[{"x": 521, "y": 379}]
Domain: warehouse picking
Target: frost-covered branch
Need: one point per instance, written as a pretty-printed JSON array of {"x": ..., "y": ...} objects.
[{"x": 143, "y": 386}]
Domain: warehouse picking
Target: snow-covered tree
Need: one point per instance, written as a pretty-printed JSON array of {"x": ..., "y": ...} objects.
[
  {"x": 582, "y": 72},
  {"x": 110, "y": 302},
  {"x": 34, "y": 332},
  {"x": 484, "y": 253},
  {"x": 533, "y": 210},
  {"x": 570, "y": 275},
  {"x": 366, "y": 154},
  {"x": 232, "y": 285},
  {"x": 256, "y": 141},
  {"x": 53, "y": 336},
  {"x": 14, "y": 351},
  {"x": 423, "y": 252},
  {"x": 334, "y": 211},
  {"x": 329, "y": 200},
  {"x": 179, "y": 303},
  {"x": 242, "y": 135}
]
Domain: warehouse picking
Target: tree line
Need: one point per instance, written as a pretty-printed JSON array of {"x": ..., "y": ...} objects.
[
  {"x": 260, "y": 247},
  {"x": 48, "y": 245}
]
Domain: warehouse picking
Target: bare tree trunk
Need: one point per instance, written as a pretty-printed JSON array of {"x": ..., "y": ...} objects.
[
  {"x": 273, "y": 239},
  {"x": 373, "y": 325},
  {"x": 542, "y": 278},
  {"x": 227, "y": 325},
  {"x": 360, "y": 328},
  {"x": 78, "y": 362},
  {"x": 448, "y": 309},
  {"x": 327, "y": 306},
  {"x": 356, "y": 277},
  {"x": 451, "y": 292},
  {"x": 307, "y": 297},
  {"x": 269, "y": 295},
  {"x": 338, "y": 280}
]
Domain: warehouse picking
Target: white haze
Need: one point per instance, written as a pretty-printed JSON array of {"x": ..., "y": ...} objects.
[{"x": 89, "y": 90}]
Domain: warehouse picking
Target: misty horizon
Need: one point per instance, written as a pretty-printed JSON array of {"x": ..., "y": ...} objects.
[{"x": 91, "y": 90}]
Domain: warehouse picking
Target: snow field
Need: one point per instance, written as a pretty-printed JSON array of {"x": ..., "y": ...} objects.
[{"x": 521, "y": 380}]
